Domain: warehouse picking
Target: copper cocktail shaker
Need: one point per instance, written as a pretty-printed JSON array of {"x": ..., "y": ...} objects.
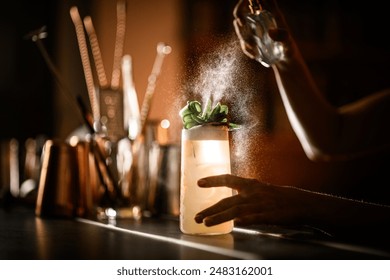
[{"x": 68, "y": 184}]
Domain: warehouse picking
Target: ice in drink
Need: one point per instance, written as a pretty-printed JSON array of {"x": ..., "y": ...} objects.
[{"x": 205, "y": 152}]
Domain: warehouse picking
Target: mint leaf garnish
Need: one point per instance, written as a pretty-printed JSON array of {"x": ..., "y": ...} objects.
[{"x": 193, "y": 115}]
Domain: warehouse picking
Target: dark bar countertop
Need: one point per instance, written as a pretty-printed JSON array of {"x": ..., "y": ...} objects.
[{"x": 24, "y": 236}]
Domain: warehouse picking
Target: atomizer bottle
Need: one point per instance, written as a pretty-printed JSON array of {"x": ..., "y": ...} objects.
[{"x": 268, "y": 51}]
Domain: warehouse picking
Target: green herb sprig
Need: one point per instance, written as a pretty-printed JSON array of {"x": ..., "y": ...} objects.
[{"x": 193, "y": 115}]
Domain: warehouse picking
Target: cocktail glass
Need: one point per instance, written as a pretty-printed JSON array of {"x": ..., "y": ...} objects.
[{"x": 204, "y": 152}]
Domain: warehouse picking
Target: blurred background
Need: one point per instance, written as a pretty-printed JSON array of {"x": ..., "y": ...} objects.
[{"x": 345, "y": 45}]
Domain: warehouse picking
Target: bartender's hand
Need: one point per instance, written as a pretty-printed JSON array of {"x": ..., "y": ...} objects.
[
  {"x": 245, "y": 33},
  {"x": 254, "y": 203}
]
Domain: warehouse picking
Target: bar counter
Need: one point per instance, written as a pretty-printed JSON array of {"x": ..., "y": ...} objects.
[{"x": 24, "y": 236}]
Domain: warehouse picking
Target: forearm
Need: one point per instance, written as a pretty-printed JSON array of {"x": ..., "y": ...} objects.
[
  {"x": 315, "y": 122},
  {"x": 327, "y": 132}
]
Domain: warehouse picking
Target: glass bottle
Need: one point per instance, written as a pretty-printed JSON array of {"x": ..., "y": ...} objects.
[{"x": 268, "y": 51}]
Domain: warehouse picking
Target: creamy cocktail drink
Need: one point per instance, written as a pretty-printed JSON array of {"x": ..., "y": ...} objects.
[{"x": 204, "y": 152}]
